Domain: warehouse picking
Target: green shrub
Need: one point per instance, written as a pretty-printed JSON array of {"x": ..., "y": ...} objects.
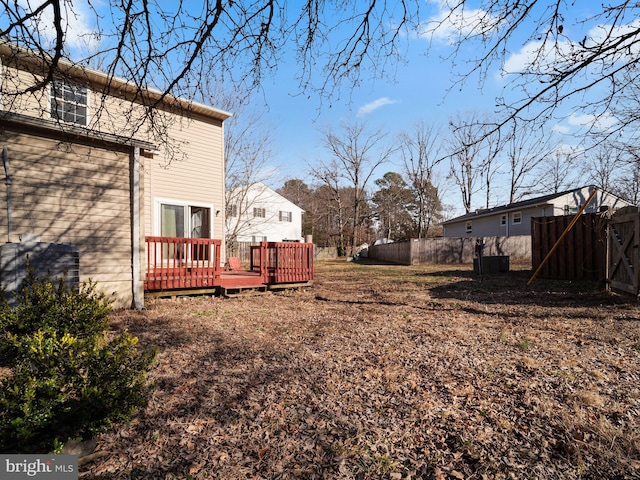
[{"x": 66, "y": 375}]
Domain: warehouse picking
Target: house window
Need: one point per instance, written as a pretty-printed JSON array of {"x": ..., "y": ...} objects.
[
  {"x": 232, "y": 210},
  {"x": 185, "y": 221},
  {"x": 503, "y": 219},
  {"x": 469, "y": 226},
  {"x": 569, "y": 210},
  {"x": 517, "y": 218},
  {"x": 286, "y": 216},
  {"x": 259, "y": 212},
  {"x": 69, "y": 102},
  {"x": 258, "y": 239}
]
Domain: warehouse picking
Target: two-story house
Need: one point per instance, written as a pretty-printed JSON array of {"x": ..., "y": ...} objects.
[
  {"x": 256, "y": 213},
  {"x": 92, "y": 161}
]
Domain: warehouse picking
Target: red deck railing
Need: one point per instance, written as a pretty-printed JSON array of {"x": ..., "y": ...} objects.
[
  {"x": 283, "y": 262},
  {"x": 176, "y": 263},
  {"x": 181, "y": 263}
]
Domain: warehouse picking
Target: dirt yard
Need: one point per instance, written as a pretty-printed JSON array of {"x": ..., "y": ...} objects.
[{"x": 392, "y": 372}]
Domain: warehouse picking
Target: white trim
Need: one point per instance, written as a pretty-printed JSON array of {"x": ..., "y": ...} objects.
[
  {"x": 157, "y": 201},
  {"x": 515, "y": 215}
]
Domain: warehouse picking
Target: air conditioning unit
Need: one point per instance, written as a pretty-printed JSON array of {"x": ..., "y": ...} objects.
[{"x": 53, "y": 259}]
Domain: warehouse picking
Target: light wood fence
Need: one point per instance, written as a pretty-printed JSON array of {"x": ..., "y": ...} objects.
[{"x": 450, "y": 250}]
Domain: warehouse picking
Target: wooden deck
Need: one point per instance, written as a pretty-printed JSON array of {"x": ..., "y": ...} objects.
[{"x": 193, "y": 266}]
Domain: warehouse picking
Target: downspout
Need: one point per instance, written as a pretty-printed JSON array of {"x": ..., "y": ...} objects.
[
  {"x": 5, "y": 160},
  {"x": 138, "y": 300}
]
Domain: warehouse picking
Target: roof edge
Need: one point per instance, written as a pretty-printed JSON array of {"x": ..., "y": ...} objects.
[{"x": 113, "y": 84}]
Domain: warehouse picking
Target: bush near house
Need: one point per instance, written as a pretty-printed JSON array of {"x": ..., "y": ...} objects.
[{"x": 62, "y": 374}]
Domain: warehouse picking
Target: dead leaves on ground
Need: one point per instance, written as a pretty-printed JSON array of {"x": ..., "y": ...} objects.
[{"x": 368, "y": 379}]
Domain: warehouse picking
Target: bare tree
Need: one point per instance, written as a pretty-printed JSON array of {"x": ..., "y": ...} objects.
[
  {"x": 356, "y": 153},
  {"x": 552, "y": 53},
  {"x": 328, "y": 174},
  {"x": 248, "y": 152},
  {"x": 588, "y": 60},
  {"x": 525, "y": 151},
  {"x": 603, "y": 163},
  {"x": 627, "y": 178},
  {"x": 466, "y": 161},
  {"x": 171, "y": 46},
  {"x": 421, "y": 150},
  {"x": 560, "y": 170},
  {"x": 488, "y": 167}
]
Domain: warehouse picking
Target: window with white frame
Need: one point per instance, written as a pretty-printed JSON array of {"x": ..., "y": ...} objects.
[
  {"x": 182, "y": 220},
  {"x": 259, "y": 212},
  {"x": 69, "y": 102},
  {"x": 286, "y": 216},
  {"x": 517, "y": 218},
  {"x": 469, "y": 226},
  {"x": 258, "y": 239},
  {"x": 503, "y": 219},
  {"x": 571, "y": 210},
  {"x": 232, "y": 210}
]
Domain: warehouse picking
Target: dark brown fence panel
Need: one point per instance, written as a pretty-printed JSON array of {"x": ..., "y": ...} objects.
[{"x": 582, "y": 253}]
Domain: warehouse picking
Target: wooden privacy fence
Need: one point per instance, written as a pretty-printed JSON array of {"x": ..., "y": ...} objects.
[
  {"x": 581, "y": 255},
  {"x": 450, "y": 250},
  {"x": 623, "y": 257}
]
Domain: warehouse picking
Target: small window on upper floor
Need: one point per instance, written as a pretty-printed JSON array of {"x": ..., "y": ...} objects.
[
  {"x": 286, "y": 216},
  {"x": 259, "y": 212},
  {"x": 69, "y": 102},
  {"x": 503, "y": 219},
  {"x": 517, "y": 218},
  {"x": 469, "y": 226}
]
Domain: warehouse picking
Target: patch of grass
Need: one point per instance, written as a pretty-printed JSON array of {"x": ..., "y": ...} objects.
[{"x": 525, "y": 344}]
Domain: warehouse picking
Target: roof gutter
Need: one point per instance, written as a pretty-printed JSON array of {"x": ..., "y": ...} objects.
[{"x": 118, "y": 87}]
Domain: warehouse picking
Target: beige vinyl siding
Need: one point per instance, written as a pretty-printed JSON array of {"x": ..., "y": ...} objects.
[
  {"x": 33, "y": 104},
  {"x": 87, "y": 199},
  {"x": 197, "y": 178},
  {"x": 77, "y": 195}
]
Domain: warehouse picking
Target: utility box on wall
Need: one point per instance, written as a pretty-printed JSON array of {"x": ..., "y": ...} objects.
[{"x": 53, "y": 259}]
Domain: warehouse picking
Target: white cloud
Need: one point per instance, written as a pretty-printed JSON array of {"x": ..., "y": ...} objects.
[
  {"x": 601, "y": 122},
  {"x": 448, "y": 26},
  {"x": 561, "y": 129},
  {"x": 78, "y": 23},
  {"x": 376, "y": 104},
  {"x": 538, "y": 56}
]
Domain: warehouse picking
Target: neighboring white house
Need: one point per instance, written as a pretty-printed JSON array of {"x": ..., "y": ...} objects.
[
  {"x": 515, "y": 218},
  {"x": 256, "y": 213}
]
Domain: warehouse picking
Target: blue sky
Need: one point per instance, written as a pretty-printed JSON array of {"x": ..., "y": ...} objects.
[
  {"x": 421, "y": 90},
  {"x": 418, "y": 91}
]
